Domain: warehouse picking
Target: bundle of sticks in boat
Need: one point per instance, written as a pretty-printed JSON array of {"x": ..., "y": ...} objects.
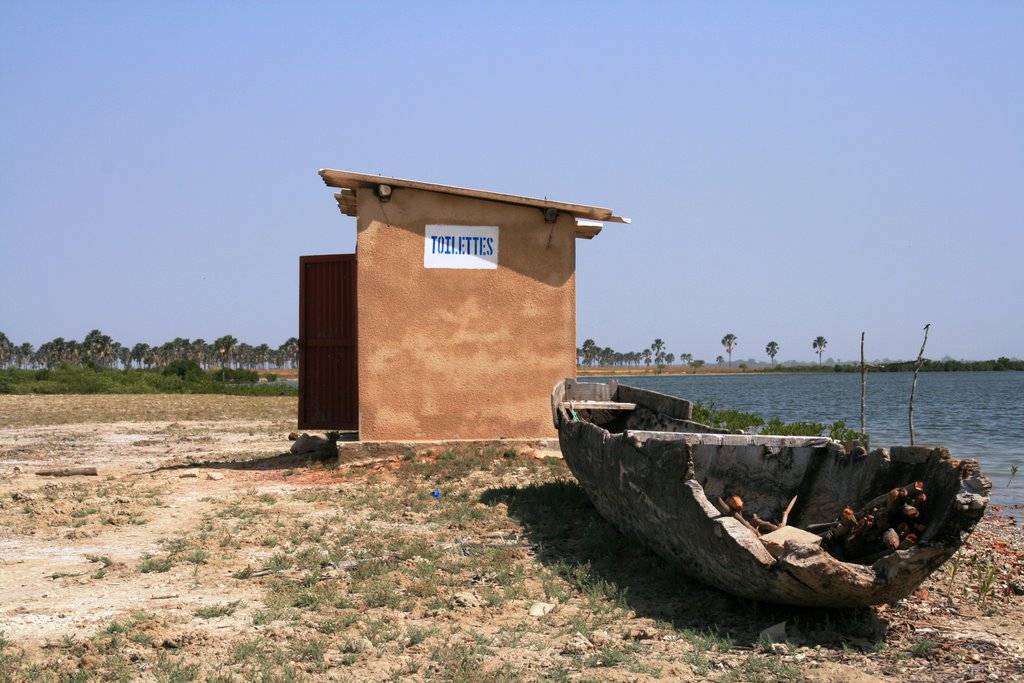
[{"x": 889, "y": 522}]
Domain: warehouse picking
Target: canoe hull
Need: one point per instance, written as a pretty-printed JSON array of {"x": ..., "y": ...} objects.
[{"x": 658, "y": 486}]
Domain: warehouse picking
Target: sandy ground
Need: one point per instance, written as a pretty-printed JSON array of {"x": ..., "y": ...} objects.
[{"x": 203, "y": 550}]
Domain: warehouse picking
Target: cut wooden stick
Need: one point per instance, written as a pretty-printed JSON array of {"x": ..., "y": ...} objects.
[
  {"x": 734, "y": 512},
  {"x": 883, "y": 499},
  {"x": 739, "y": 518},
  {"x": 764, "y": 525},
  {"x": 789, "y": 508}
]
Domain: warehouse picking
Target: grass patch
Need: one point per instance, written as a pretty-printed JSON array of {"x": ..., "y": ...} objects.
[
  {"x": 149, "y": 564},
  {"x": 214, "y": 611}
]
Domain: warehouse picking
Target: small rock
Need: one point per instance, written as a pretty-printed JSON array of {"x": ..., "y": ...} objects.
[
  {"x": 539, "y": 609},
  {"x": 730, "y": 662},
  {"x": 1017, "y": 586},
  {"x": 356, "y": 645},
  {"x": 215, "y": 476},
  {"x": 577, "y": 645},
  {"x": 601, "y": 638},
  {"x": 467, "y": 599},
  {"x": 191, "y": 474},
  {"x": 773, "y": 634},
  {"x": 307, "y": 444},
  {"x": 644, "y": 633},
  {"x": 778, "y": 648}
]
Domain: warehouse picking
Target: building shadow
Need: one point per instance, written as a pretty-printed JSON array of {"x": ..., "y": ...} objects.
[
  {"x": 283, "y": 461},
  {"x": 326, "y": 454},
  {"x": 567, "y": 534}
]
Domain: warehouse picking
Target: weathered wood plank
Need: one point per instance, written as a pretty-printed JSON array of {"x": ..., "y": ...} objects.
[
  {"x": 598, "y": 405},
  {"x": 68, "y": 472},
  {"x": 351, "y": 180}
]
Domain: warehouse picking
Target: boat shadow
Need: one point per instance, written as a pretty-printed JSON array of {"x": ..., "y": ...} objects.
[{"x": 571, "y": 539}]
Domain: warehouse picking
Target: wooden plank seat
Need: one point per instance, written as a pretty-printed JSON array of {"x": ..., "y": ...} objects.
[{"x": 597, "y": 405}]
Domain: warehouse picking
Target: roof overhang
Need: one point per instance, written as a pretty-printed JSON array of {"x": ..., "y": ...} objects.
[{"x": 588, "y": 218}]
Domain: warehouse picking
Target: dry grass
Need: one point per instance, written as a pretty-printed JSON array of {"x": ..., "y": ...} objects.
[{"x": 426, "y": 568}]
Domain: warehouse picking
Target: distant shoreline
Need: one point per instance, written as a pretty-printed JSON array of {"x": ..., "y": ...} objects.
[{"x": 1002, "y": 365}]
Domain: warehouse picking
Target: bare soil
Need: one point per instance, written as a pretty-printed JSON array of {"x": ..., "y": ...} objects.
[{"x": 205, "y": 551}]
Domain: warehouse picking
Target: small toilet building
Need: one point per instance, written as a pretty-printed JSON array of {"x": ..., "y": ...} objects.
[{"x": 454, "y": 318}]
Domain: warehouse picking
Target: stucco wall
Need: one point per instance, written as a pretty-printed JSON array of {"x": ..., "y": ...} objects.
[{"x": 461, "y": 354}]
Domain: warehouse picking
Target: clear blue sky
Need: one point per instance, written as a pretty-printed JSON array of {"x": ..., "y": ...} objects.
[{"x": 792, "y": 169}]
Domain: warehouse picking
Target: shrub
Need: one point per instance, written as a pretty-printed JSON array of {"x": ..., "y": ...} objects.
[
  {"x": 187, "y": 370},
  {"x": 777, "y": 427},
  {"x": 236, "y": 376},
  {"x": 733, "y": 420}
]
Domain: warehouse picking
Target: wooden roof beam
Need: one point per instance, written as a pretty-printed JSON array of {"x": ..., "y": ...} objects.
[{"x": 349, "y": 180}]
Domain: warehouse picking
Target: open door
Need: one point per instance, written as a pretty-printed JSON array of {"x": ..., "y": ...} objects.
[{"x": 328, "y": 359}]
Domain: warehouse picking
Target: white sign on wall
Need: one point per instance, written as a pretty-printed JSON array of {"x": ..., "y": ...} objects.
[{"x": 461, "y": 246}]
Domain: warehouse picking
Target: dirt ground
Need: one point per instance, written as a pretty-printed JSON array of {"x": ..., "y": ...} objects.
[{"x": 204, "y": 551}]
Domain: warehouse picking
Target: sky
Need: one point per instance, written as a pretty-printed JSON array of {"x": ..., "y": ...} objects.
[{"x": 791, "y": 169}]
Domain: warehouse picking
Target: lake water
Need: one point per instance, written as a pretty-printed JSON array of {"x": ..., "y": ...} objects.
[{"x": 973, "y": 414}]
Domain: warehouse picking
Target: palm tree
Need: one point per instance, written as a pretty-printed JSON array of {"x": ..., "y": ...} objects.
[
  {"x": 98, "y": 347},
  {"x": 772, "y": 349},
  {"x": 24, "y": 354},
  {"x": 658, "y": 350},
  {"x": 139, "y": 353},
  {"x": 6, "y": 349},
  {"x": 290, "y": 352},
  {"x": 225, "y": 346},
  {"x": 729, "y": 341},
  {"x": 590, "y": 352},
  {"x": 201, "y": 352},
  {"x": 719, "y": 360},
  {"x": 819, "y": 345}
]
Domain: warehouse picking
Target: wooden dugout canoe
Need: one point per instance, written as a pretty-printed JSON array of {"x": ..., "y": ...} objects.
[{"x": 657, "y": 476}]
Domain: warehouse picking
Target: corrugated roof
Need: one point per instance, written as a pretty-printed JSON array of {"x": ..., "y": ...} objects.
[{"x": 348, "y": 181}]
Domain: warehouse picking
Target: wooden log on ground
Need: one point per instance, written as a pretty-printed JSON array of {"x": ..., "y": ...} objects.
[{"x": 68, "y": 472}]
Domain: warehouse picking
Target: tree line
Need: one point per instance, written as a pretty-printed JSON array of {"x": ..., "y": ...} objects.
[
  {"x": 593, "y": 355},
  {"x": 101, "y": 350}
]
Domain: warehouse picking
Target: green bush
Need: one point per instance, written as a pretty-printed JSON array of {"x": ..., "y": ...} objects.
[
  {"x": 733, "y": 420},
  {"x": 840, "y": 432},
  {"x": 236, "y": 376},
  {"x": 185, "y": 369},
  {"x": 185, "y": 378},
  {"x": 777, "y": 427}
]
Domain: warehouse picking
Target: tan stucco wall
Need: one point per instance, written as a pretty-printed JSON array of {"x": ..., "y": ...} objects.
[{"x": 461, "y": 354}]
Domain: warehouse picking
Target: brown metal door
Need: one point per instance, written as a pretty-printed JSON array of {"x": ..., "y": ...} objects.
[{"x": 328, "y": 365}]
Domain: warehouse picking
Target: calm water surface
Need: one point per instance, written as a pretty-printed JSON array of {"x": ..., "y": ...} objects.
[{"x": 973, "y": 414}]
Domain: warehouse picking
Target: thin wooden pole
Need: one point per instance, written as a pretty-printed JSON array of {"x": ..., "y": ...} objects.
[
  {"x": 913, "y": 387},
  {"x": 863, "y": 386}
]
